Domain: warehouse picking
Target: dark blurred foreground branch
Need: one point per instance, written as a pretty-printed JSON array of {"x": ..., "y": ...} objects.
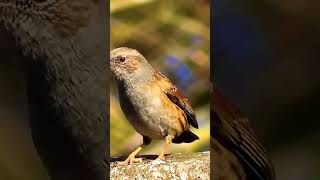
[
  {"x": 237, "y": 152},
  {"x": 63, "y": 43}
]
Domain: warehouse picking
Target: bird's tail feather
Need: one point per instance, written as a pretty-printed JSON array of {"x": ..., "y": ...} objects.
[{"x": 185, "y": 137}]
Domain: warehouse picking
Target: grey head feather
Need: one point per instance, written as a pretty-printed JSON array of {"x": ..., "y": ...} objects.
[{"x": 119, "y": 67}]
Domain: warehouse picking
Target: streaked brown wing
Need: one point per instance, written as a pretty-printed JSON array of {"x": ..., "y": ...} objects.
[
  {"x": 178, "y": 98},
  {"x": 234, "y": 132}
]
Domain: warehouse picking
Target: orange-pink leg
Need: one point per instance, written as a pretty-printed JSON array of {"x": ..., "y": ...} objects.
[
  {"x": 131, "y": 158},
  {"x": 168, "y": 141}
]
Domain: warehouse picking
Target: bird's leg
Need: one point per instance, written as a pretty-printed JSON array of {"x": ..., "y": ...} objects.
[
  {"x": 168, "y": 141},
  {"x": 131, "y": 158}
]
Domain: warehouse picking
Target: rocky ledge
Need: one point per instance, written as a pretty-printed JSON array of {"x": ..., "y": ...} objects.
[{"x": 176, "y": 166}]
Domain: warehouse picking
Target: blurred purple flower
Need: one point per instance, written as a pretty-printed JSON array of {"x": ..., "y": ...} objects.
[
  {"x": 181, "y": 71},
  {"x": 184, "y": 73},
  {"x": 172, "y": 61}
]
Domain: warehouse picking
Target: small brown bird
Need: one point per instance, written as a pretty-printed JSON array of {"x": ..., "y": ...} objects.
[
  {"x": 236, "y": 152},
  {"x": 151, "y": 103}
]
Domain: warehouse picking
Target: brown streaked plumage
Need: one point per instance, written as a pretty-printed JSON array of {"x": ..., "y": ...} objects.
[
  {"x": 151, "y": 102},
  {"x": 239, "y": 155}
]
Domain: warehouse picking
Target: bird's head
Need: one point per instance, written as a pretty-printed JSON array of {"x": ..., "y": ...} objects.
[{"x": 128, "y": 65}]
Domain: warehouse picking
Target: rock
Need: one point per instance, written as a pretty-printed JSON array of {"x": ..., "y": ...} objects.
[{"x": 176, "y": 166}]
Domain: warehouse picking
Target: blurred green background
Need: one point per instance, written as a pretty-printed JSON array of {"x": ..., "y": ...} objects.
[{"x": 175, "y": 38}]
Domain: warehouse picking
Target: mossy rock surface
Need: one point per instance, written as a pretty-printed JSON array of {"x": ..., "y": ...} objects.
[{"x": 177, "y": 166}]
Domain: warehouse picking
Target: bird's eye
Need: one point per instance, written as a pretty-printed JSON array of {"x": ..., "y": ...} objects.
[{"x": 122, "y": 59}]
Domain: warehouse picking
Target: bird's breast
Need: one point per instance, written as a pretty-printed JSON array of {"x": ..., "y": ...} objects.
[{"x": 149, "y": 111}]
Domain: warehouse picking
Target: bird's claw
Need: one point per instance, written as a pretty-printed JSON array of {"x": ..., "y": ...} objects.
[
  {"x": 131, "y": 160},
  {"x": 161, "y": 157}
]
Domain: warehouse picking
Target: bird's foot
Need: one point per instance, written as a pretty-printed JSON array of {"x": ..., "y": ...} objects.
[
  {"x": 161, "y": 157},
  {"x": 131, "y": 160}
]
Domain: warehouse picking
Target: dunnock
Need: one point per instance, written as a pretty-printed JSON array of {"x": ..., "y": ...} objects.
[
  {"x": 237, "y": 153},
  {"x": 151, "y": 103}
]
